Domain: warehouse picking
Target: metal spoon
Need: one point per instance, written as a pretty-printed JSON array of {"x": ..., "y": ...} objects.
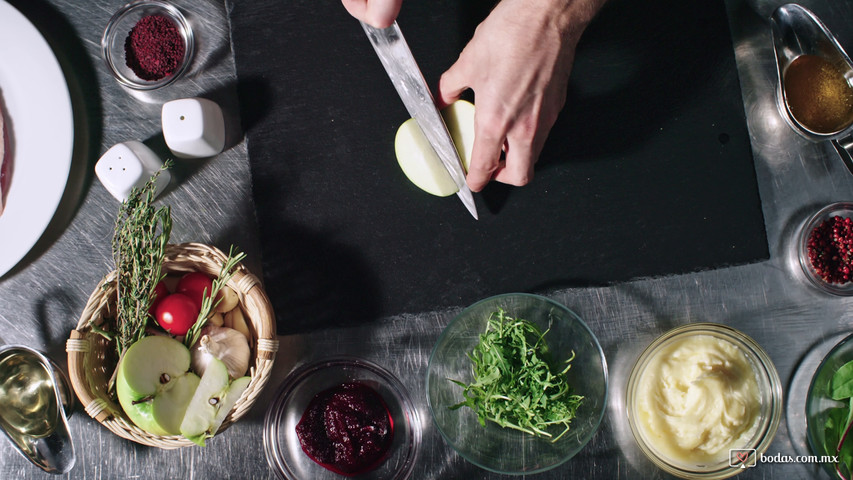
[{"x": 796, "y": 32}]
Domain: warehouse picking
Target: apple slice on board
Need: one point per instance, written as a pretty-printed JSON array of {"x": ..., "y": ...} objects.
[
  {"x": 417, "y": 158},
  {"x": 213, "y": 400},
  {"x": 154, "y": 384}
]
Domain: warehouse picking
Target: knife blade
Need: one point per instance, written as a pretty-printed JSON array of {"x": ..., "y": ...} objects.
[{"x": 403, "y": 70}]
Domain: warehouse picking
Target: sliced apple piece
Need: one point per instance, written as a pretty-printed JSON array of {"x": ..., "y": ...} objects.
[
  {"x": 418, "y": 160},
  {"x": 213, "y": 400},
  {"x": 154, "y": 384}
]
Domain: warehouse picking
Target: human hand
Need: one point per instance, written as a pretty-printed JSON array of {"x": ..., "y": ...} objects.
[
  {"x": 376, "y": 13},
  {"x": 518, "y": 65}
]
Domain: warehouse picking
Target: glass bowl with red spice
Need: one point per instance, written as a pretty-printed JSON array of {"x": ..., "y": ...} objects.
[
  {"x": 342, "y": 416},
  {"x": 825, "y": 249},
  {"x": 147, "y": 44}
]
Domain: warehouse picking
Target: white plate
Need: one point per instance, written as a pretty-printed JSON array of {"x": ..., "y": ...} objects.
[{"x": 41, "y": 126}]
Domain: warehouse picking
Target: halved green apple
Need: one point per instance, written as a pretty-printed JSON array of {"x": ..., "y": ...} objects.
[
  {"x": 418, "y": 160},
  {"x": 213, "y": 400},
  {"x": 154, "y": 384}
]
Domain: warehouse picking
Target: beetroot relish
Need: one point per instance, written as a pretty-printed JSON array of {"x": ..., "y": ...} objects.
[
  {"x": 346, "y": 429},
  {"x": 830, "y": 249}
]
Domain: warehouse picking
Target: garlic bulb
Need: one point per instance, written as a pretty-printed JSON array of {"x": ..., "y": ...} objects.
[{"x": 224, "y": 343}]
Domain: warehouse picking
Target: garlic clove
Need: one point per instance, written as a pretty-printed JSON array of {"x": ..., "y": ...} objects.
[
  {"x": 237, "y": 321},
  {"x": 225, "y": 344},
  {"x": 216, "y": 319},
  {"x": 229, "y": 301}
]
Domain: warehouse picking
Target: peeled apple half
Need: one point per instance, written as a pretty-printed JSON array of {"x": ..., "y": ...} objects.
[{"x": 418, "y": 160}]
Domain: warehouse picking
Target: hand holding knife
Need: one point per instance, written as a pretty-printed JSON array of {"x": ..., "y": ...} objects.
[{"x": 394, "y": 53}]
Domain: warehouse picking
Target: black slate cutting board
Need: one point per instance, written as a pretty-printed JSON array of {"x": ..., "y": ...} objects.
[{"x": 648, "y": 171}]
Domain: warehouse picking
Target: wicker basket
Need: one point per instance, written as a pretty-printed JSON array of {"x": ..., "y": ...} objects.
[{"x": 91, "y": 358}]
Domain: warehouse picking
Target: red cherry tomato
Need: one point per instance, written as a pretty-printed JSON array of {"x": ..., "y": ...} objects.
[
  {"x": 176, "y": 313},
  {"x": 194, "y": 285},
  {"x": 160, "y": 292}
]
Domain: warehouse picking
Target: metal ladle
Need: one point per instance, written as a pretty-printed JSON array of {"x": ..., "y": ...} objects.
[
  {"x": 797, "y": 31},
  {"x": 27, "y": 377}
]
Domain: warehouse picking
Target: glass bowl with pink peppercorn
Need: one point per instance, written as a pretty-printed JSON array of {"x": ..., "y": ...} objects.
[
  {"x": 147, "y": 44},
  {"x": 825, "y": 249}
]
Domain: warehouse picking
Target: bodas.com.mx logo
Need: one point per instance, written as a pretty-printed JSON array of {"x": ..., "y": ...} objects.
[{"x": 742, "y": 458}]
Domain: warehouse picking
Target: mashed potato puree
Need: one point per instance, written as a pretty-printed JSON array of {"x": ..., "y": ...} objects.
[{"x": 697, "y": 398}]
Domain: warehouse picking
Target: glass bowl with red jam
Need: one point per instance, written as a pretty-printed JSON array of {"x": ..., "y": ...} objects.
[
  {"x": 342, "y": 416},
  {"x": 147, "y": 44},
  {"x": 825, "y": 249}
]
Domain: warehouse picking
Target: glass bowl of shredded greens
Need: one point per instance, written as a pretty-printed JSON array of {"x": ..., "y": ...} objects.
[{"x": 517, "y": 384}]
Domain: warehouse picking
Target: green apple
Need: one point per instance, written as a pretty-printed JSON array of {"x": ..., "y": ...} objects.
[
  {"x": 154, "y": 384},
  {"x": 418, "y": 160},
  {"x": 213, "y": 400}
]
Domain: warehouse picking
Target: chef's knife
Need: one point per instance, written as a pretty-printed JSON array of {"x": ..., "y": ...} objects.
[{"x": 407, "y": 78}]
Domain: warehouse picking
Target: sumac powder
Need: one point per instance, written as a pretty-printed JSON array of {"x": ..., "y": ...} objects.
[
  {"x": 830, "y": 249},
  {"x": 154, "y": 48}
]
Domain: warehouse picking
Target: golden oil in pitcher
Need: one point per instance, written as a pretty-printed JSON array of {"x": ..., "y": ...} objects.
[
  {"x": 28, "y": 404},
  {"x": 34, "y": 396},
  {"x": 814, "y": 94}
]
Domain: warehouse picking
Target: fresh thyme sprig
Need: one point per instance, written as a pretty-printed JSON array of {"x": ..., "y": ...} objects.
[
  {"x": 139, "y": 244},
  {"x": 209, "y": 302}
]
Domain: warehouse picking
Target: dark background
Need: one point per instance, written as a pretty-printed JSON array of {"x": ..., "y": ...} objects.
[{"x": 647, "y": 172}]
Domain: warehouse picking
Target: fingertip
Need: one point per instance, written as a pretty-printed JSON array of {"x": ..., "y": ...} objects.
[
  {"x": 476, "y": 185},
  {"x": 378, "y": 21},
  {"x": 356, "y": 8},
  {"x": 450, "y": 86},
  {"x": 383, "y": 13},
  {"x": 485, "y": 161},
  {"x": 514, "y": 178},
  {"x": 518, "y": 169}
]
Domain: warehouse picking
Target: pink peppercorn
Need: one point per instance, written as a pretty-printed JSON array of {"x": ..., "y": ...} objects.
[
  {"x": 830, "y": 249},
  {"x": 154, "y": 48}
]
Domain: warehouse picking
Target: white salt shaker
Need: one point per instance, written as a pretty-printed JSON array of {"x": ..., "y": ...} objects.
[
  {"x": 127, "y": 165},
  {"x": 193, "y": 127}
]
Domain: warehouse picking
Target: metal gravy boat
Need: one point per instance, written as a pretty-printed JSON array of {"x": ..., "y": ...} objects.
[
  {"x": 35, "y": 402},
  {"x": 797, "y": 32}
]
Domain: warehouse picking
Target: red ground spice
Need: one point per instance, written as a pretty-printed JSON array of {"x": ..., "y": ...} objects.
[
  {"x": 154, "y": 48},
  {"x": 830, "y": 249}
]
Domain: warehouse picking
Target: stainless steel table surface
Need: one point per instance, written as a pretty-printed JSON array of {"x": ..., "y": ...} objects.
[{"x": 41, "y": 300}]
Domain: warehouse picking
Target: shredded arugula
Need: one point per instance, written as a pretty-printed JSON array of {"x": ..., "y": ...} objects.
[{"x": 515, "y": 383}]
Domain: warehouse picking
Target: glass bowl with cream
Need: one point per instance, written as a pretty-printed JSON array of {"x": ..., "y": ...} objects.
[{"x": 703, "y": 400}]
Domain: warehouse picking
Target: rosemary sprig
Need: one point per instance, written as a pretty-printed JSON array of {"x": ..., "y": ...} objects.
[
  {"x": 139, "y": 244},
  {"x": 208, "y": 303}
]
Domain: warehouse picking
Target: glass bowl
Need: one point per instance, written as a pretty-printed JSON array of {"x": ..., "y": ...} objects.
[
  {"x": 737, "y": 351},
  {"x": 838, "y": 209},
  {"x": 118, "y": 30},
  {"x": 819, "y": 404},
  {"x": 505, "y": 450},
  {"x": 283, "y": 450}
]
